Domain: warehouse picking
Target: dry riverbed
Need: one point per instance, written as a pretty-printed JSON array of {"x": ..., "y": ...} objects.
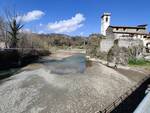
[{"x": 37, "y": 90}]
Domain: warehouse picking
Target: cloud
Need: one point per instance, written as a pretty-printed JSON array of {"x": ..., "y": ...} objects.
[
  {"x": 40, "y": 24},
  {"x": 81, "y": 33},
  {"x": 69, "y": 25},
  {"x": 30, "y": 16}
]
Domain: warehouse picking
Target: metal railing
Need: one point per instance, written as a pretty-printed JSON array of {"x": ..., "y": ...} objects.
[
  {"x": 112, "y": 106},
  {"x": 144, "y": 106}
]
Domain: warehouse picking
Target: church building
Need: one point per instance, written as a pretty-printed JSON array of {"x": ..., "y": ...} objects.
[{"x": 124, "y": 32}]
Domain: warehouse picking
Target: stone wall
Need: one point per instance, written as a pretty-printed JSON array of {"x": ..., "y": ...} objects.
[
  {"x": 129, "y": 42},
  {"x": 119, "y": 51},
  {"x": 114, "y": 50},
  {"x": 106, "y": 44},
  {"x": 146, "y": 41}
]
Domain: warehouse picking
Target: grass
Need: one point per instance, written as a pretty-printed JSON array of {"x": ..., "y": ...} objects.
[{"x": 138, "y": 62}]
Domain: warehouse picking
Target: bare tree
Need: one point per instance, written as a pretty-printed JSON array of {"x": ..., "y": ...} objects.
[
  {"x": 3, "y": 31},
  {"x": 1, "y": 28},
  {"x": 15, "y": 26},
  {"x": 25, "y": 40}
]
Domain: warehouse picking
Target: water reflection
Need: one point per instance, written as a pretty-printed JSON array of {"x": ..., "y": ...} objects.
[
  {"x": 7, "y": 73},
  {"x": 73, "y": 64}
]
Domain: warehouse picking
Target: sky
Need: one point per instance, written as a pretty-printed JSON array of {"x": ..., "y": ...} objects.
[{"x": 77, "y": 17}]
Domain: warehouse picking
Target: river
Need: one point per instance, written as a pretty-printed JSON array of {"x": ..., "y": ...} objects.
[
  {"x": 61, "y": 86},
  {"x": 72, "y": 64}
]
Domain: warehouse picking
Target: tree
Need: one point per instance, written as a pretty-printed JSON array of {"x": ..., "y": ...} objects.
[
  {"x": 2, "y": 28},
  {"x": 3, "y": 31},
  {"x": 24, "y": 40},
  {"x": 15, "y": 27}
]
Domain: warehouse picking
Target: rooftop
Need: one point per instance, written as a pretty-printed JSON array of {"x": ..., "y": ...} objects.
[
  {"x": 131, "y": 27},
  {"x": 106, "y": 14}
]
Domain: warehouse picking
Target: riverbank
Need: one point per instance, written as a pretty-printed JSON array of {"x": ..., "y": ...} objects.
[
  {"x": 64, "y": 53},
  {"x": 11, "y": 58},
  {"x": 37, "y": 89},
  {"x": 123, "y": 69}
]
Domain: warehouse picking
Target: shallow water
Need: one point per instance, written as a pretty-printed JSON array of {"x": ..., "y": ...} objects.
[
  {"x": 73, "y": 64},
  {"x": 7, "y": 73}
]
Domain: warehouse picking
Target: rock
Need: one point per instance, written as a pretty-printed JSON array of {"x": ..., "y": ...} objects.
[
  {"x": 147, "y": 58},
  {"x": 118, "y": 55},
  {"x": 140, "y": 56},
  {"x": 121, "y": 55}
]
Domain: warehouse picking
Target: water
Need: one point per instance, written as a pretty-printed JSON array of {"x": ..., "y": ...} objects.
[
  {"x": 7, "y": 73},
  {"x": 73, "y": 64},
  {"x": 40, "y": 90}
]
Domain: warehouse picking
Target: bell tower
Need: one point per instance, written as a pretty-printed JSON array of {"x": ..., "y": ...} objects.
[{"x": 105, "y": 22}]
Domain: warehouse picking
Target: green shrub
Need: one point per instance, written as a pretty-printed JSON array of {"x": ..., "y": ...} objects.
[{"x": 138, "y": 62}]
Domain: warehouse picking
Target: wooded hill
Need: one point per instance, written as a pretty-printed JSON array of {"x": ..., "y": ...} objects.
[{"x": 57, "y": 40}]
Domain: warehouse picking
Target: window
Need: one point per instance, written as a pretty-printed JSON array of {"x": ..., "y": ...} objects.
[
  {"x": 117, "y": 29},
  {"x": 124, "y": 29},
  {"x": 106, "y": 19},
  {"x": 137, "y": 29},
  {"x": 131, "y": 35}
]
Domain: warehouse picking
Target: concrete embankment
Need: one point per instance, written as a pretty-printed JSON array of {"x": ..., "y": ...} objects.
[{"x": 132, "y": 101}]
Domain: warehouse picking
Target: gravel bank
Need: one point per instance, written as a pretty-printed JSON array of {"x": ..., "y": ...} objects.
[{"x": 40, "y": 91}]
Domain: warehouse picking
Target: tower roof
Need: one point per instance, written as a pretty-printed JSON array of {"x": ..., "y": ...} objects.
[{"x": 106, "y": 14}]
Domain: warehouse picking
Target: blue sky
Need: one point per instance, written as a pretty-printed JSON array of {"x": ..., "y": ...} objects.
[{"x": 78, "y": 17}]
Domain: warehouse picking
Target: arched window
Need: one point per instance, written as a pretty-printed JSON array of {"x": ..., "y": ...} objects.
[{"x": 106, "y": 19}]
